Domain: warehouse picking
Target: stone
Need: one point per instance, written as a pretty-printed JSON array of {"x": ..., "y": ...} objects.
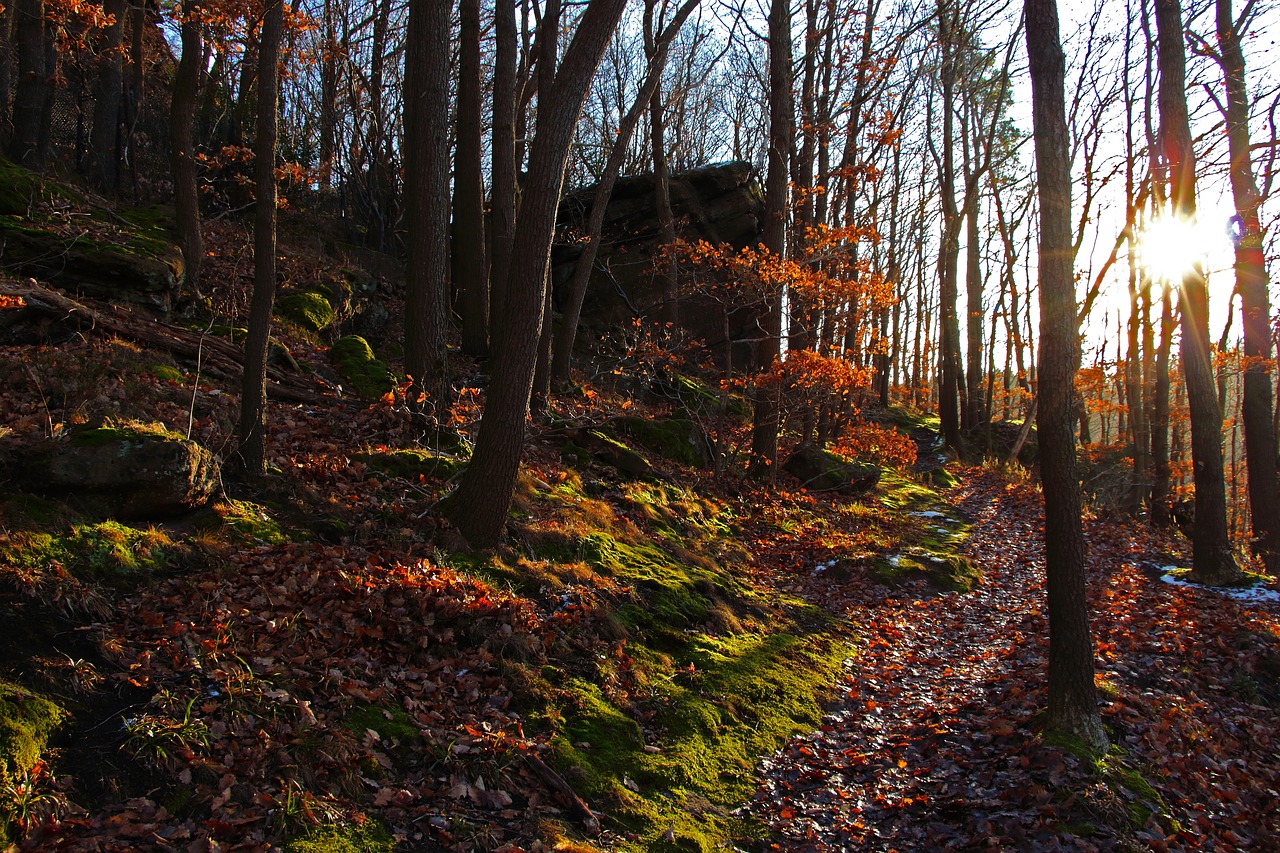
[
  {"x": 824, "y": 472},
  {"x": 720, "y": 203},
  {"x": 132, "y": 474}
]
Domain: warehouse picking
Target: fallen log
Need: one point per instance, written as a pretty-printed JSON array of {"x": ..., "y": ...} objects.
[{"x": 196, "y": 347}]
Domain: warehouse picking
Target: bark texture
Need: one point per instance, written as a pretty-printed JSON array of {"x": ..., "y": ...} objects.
[{"x": 1073, "y": 701}]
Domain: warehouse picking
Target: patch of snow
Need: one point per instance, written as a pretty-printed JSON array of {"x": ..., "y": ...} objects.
[
  {"x": 1248, "y": 594},
  {"x": 930, "y": 514},
  {"x": 895, "y": 559}
]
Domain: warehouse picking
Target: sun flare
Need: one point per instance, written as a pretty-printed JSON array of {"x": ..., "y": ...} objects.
[{"x": 1171, "y": 246}]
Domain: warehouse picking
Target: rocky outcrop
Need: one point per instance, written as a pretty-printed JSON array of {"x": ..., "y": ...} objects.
[
  {"x": 823, "y": 472},
  {"x": 720, "y": 204},
  {"x": 125, "y": 473}
]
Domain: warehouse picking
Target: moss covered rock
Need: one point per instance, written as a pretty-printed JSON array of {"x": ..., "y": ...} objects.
[
  {"x": 308, "y": 309},
  {"x": 26, "y": 722},
  {"x": 826, "y": 472},
  {"x": 678, "y": 439},
  {"x": 128, "y": 471},
  {"x": 360, "y": 369}
]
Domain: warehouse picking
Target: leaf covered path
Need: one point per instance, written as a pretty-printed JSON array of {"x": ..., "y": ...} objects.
[{"x": 933, "y": 744}]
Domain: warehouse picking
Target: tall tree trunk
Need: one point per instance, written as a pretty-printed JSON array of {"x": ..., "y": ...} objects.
[
  {"x": 328, "y": 95},
  {"x": 1161, "y": 470},
  {"x": 975, "y": 404},
  {"x": 479, "y": 507},
  {"x": 253, "y": 394},
  {"x": 949, "y": 251},
  {"x": 186, "y": 198},
  {"x": 426, "y": 156},
  {"x": 469, "y": 242},
  {"x": 1073, "y": 699},
  {"x": 764, "y": 430},
  {"x": 504, "y": 165},
  {"x": 549, "y": 37},
  {"x": 104, "y": 150},
  {"x": 32, "y": 84},
  {"x": 1251, "y": 282},
  {"x": 1211, "y": 546},
  {"x": 6, "y": 74}
]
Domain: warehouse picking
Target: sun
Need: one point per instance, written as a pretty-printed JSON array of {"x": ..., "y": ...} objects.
[{"x": 1171, "y": 246}]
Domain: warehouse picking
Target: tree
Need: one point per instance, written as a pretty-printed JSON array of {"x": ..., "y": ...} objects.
[
  {"x": 1251, "y": 282},
  {"x": 426, "y": 204},
  {"x": 1212, "y": 561},
  {"x": 479, "y": 506},
  {"x": 33, "y": 84},
  {"x": 103, "y": 148},
  {"x": 253, "y": 395},
  {"x": 648, "y": 91},
  {"x": 1073, "y": 700},
  {"x": 503, "y": 175},
  {"x": 468, "y": 192},
  {"x": 186, "y": 200},
  {"x": 764, "y": 428}
]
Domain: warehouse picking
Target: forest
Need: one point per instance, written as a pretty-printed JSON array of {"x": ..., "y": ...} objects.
[{"x": 660, "y": 425}]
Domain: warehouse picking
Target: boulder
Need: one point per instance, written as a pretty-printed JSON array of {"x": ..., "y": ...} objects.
[
  {"x": 134, "y": 264},
  {"x": 720, "y": 204},
  {"x": 825, "y": 472},
  {"x": 131, "y": 474},
  {"x": 678, "y": 439}
]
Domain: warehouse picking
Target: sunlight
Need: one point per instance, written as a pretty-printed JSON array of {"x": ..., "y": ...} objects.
[{"x": 1171, "y": 245}]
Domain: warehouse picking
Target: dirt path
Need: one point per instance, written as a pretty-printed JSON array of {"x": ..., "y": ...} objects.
[{"x": 928, "y": 749}]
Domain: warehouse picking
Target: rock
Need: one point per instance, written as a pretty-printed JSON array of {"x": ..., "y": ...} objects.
[
  {"x": 132, "y": 474},
  {"x": 678, "y": 439},
  {"x": 607, "y": 449},
  {"x": 824, "y": 472},
  {"x": 720, "y": 204},
  {"x": 136, "y": 264}
]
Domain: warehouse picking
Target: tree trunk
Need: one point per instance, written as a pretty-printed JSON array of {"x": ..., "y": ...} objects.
[
  {"x": 1212, "y": 561},
  {"x": 764, "y": 430},
  {"x": 949, "y": 252},
  {"x": 504, "y": 166},
  {"x": 104, "y": 149},
  {"x": 1073, "y": 700},
  {"x": 33, "y": 81},
  {"x": 1251, "y": 282},
  {"x": 479, "y": 507},
  {"x": 328, "y": 96},
  {"x": 253, "y": 394},
  {"x": 426, "y": 156},
  {"x": 1161, "y": 471},
  {"x": 186, "y": 199},
  {"x": 469, "y": 242}
]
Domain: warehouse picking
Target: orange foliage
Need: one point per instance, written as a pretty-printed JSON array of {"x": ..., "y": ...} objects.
[{"x": 871, "y": 442}]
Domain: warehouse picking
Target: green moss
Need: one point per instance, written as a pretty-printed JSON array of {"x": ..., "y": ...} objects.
[
  {"x": 250, "y": 522},
  {"x": 308, "y": 309},
  {"x": 943, "y": 479},
  {"x": 670, "y": 438},
  {"x": 356, "y": 363},
  {"x": 103, "y": 550},
  {"x": 412, "y": 464},
  {"x": 26, "y": 722},
  {"x": 899, "y": 491},
  {"x": 388, "y": 722},
  {"x": 368, "y": 837},
  {"x": 1121, "y": 774},
  {"x": 910, "y": 419},
  {"x": 20, "y": 189},
  {"x": 117, "y": 431},
  {"x": 944, "y": 570},
  {"x": 740, "y": 698},
  {"x": 167, "y": 373}
]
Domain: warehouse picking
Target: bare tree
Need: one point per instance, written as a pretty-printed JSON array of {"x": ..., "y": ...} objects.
[{"x": 1073, "y": 700}]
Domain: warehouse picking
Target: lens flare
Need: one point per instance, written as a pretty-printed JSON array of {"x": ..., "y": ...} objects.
[{"x": 1171, "y": 246}]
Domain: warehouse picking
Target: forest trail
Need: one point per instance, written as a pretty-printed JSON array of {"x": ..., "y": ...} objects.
[{"x": 933, "y": 746}]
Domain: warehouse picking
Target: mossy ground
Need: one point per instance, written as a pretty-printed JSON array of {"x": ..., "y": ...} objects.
[
  {"x": 412, "y": 465},
  {"x": 27, "y": 720},
  {"x": 703, "y": 676},
  {"x": 370, "y": 837}
]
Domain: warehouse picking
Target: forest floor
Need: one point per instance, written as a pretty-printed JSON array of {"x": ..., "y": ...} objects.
[
  {"x": 675, "y": 661},
  {"x": 935, "y": 743}
]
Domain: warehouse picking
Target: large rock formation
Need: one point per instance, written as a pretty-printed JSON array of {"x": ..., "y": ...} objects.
[{"x": 719, "y": 204}]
